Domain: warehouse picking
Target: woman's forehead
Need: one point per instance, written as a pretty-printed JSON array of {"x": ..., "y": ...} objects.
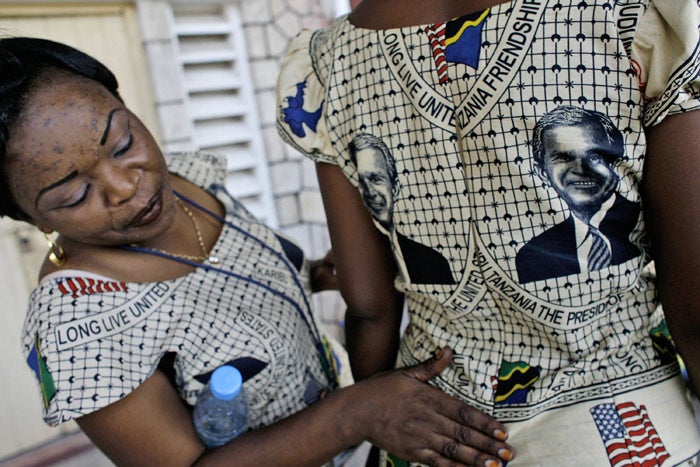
[
  {"x": 51, "y": 110},
  {"x": 66, "y": 92},
  {"x": 62, "y": 120}
]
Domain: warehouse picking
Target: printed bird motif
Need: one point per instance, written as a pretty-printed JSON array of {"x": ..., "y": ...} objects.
[{"x": 296, "y": 116}]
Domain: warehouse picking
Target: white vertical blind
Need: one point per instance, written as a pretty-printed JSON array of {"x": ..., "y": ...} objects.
[{"x": 220, "y": 98}]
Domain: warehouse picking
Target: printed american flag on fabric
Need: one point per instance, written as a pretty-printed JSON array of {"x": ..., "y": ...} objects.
[
  {"x": 436, "y": 34},
  {"x": 78, "y": 286},
  {"x": 630, "y": 438}
]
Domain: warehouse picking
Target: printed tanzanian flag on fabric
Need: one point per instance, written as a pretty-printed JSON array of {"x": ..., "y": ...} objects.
[
  {"x": 37, "y": 363},
  {"x": 457, "y": 41},
  {"x": 514, "y": 379}
]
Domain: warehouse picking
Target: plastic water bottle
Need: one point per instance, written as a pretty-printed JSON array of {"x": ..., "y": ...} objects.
[{"x": 221, "y": 411}]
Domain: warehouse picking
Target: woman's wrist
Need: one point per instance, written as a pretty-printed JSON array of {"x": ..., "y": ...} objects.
[{"x": 354, "y": 417}]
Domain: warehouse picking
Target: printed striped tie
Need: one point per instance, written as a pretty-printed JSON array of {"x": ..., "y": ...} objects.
[{"x": 599, "y": 256}]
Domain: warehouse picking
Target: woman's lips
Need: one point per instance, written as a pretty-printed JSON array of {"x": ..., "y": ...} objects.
[{"x": 148, "y": 214}]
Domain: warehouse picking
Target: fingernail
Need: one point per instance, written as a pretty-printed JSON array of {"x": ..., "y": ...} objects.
[
  {"x": 493, "y": 463},
  {"x": 501, "y": 435},
  {"x": 505, "y": 454},
  {"x": 439, "y": 354}
]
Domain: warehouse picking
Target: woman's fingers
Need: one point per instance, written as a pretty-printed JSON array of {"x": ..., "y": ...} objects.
[
  {"x": 473, "y": 447},
  {"x": 453, "y": 430},
  {"x": 322, "y": 272},
  {"x": 429, "y": 369},
  {"x": 466, "y": 441},
  {"x": 451, "y": 453},
  {"x": 451, "y": 407},
  {"x": 468, "y": 416}
]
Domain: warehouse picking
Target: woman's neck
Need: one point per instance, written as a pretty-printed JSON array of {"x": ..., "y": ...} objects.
[{"x": 388, "y": 14}]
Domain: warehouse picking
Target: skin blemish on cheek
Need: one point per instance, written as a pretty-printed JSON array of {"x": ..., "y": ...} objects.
[{"x": 58, "y": 150}]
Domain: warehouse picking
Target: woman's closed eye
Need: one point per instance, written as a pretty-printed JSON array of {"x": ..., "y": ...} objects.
[
  {"x": 76, "y": 199},
  {"x": 125, "y": 147}
]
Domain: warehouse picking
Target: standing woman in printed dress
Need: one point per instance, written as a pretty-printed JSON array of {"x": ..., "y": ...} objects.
[{"x": 545, "y": 152}]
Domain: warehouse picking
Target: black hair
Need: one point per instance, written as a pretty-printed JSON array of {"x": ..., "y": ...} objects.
[{"x": 24, "y": 63}]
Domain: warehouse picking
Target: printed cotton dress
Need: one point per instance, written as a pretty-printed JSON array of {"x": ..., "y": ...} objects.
[{"x": 501, "y": 153}]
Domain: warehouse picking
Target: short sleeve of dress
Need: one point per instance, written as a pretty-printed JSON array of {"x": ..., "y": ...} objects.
[
  {"x": 666, "y": 54},
  {"x": 206, "y": 170},
  {"x": 301, "y": 101},
  {"x": 90, "y": 341}
]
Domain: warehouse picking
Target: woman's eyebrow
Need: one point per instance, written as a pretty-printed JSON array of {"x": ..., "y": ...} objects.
[
  {"x": 107, "y": 126},
  {"x": 68, "y": 177}
]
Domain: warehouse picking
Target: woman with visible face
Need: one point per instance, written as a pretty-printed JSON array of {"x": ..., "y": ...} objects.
[{"x": 80, "y": 163}]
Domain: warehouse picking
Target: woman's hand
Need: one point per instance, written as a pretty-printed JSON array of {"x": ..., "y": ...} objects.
[
  {"x": 418, "y": 422},
  {"x": 322, "y": 272}
]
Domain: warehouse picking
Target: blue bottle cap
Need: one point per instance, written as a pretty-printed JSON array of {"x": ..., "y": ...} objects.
[{"x": 226, "y": 382}]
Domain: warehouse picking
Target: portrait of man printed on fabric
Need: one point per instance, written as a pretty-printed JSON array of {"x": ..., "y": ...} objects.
[
  {"x": 379, "y": 187},
  {"x": 574, "y": 152}
]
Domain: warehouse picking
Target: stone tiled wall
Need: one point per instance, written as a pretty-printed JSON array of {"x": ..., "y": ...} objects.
[
  {"x": 269, "y": 26},
  {"x": 155, "y": 18}
]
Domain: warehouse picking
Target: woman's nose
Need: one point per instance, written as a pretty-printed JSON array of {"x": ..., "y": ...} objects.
[{"x": 120, "y": 185}]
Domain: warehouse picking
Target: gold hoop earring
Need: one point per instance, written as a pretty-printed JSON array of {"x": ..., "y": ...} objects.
[{"x": 56, "y": 254}]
